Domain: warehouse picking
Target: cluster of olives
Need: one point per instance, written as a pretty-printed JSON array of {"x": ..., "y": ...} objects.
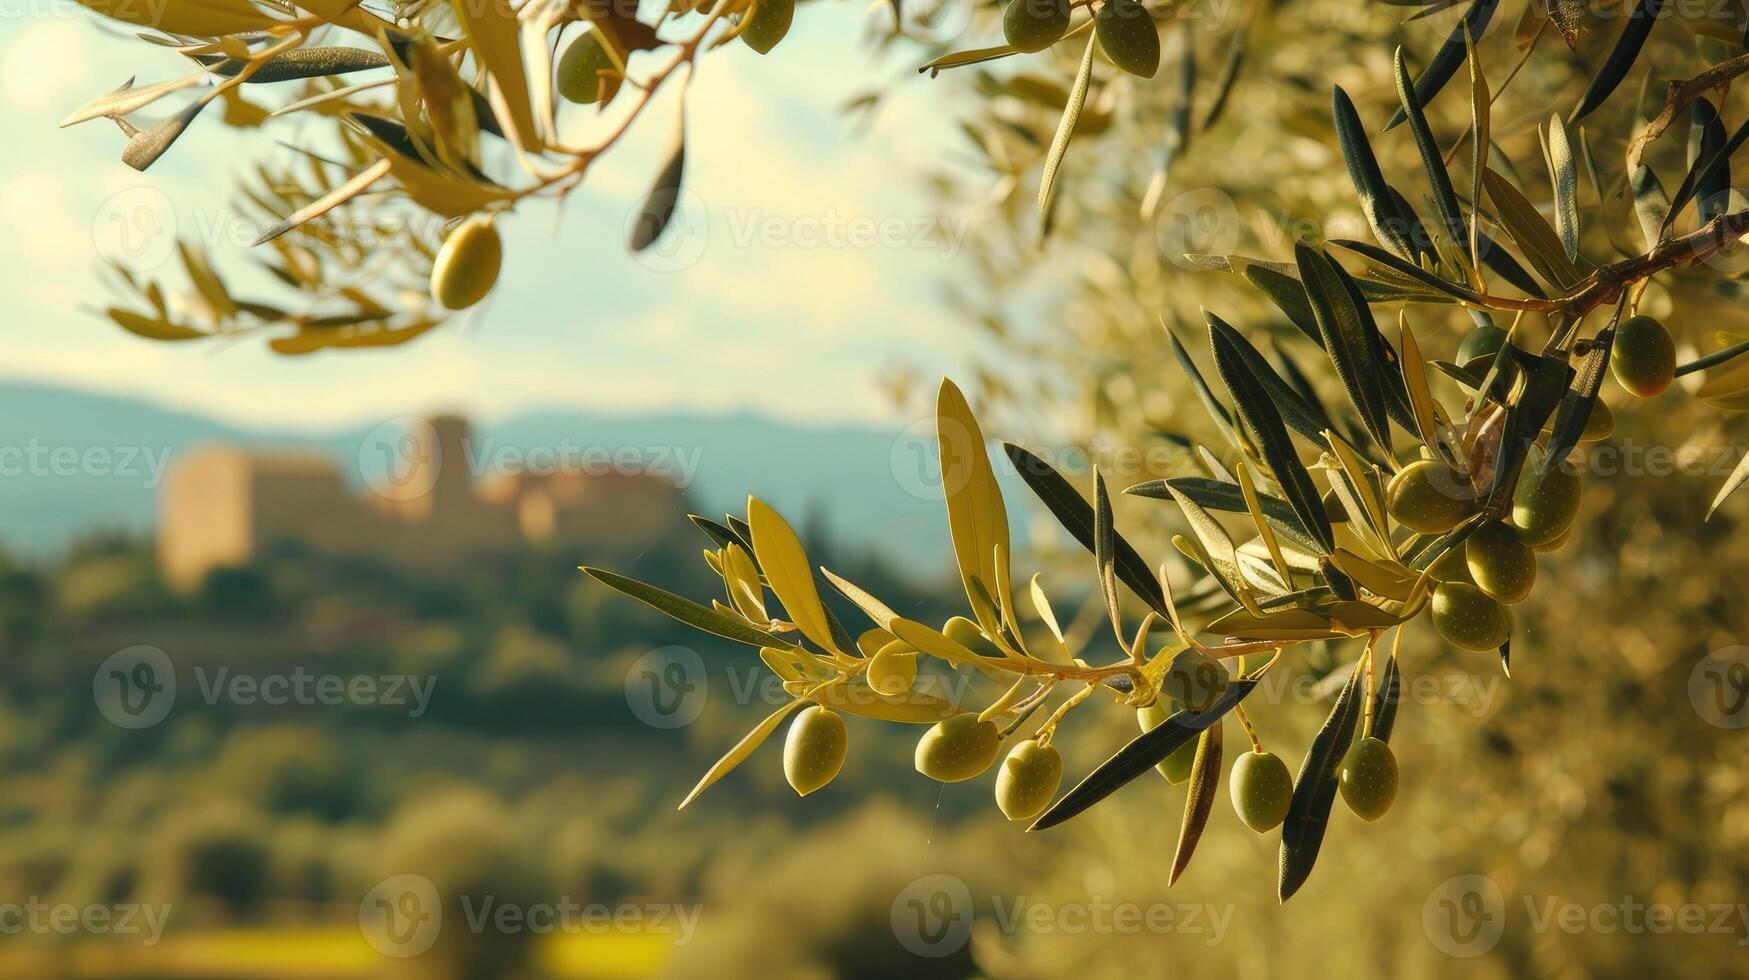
[
  {"x": 1125, "y": 30},
  {"x": 467, "y": 264},
  {"x": 1496, "y": 565}
]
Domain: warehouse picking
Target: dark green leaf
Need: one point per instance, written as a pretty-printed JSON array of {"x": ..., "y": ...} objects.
[
  {"x": 1261, "y": 417},
  {"x": 1143, "y": 753},
  {"x": 1450, "y": 55},
  {"x": 1294, "y": 410},
  {"x": 1389, "y": 696},
  {"x": 683, "y": 609},
  {"x": 1621, "y": 57},
  {"x": 1225, "y": 496},
  {"x": 1205, "y": 780},
  {"x": 1432, "y": 159},
  {"x": 1347, "y": 340},
  {"x": 1589, "y": 367},
  {"x": 1302, "y": 833},
  {"x": 1376, "y": 203},
  {"x": 1069, "y": 508}
]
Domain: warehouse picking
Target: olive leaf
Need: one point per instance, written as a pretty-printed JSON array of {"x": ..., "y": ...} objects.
[
  {"x": 1210, "y": 402},
  {"x": 1300, "y": 416},
  {"x": 1302, "y": 833},
  {"x": 663, "y": 200},
  {"x": 742, "y": 749},
  {"x": 1347, "y": 339},
  {"x": 495, "y": 36},
  {"x": 1575, "y": 407},
  {"x": 1564, "y": 176},
  {"x": 1140, "y": 755},
  {"x": 1621, "y": 57},
  {"x": 685, "y": 610},
  {"x": 145, "y": 146},
  {"x": 1438, "y": 179},
  {"x": 1709, "y": 169},
  {"x": 1072, "y": 511},
  {"x": 1376, "y": 202},
  {"x": 1264, "y": 422},
  {"x": 788, "y": 572},
  {"x": 1390, "y": 695},
  {"x": 873, "y": 608},
  {"x": 977, "y": 520},
  {"x": 1445, "y": 61},
  {"x": 298, "y": 63},
  {"x": 1104, "y": 545},
  {"x": 1541, "y": 245},
  {"x": 1066, "y": 127},
  {"x": 1199, "y": 803},
  {"x": 1738, "y": 477},
  {"x": 1230, "y": 497}
]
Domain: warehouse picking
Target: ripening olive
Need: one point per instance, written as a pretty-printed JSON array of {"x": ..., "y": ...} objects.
[
  {"x": 1429, "y": 497},
  {"x": 967, "y": 634},
  {"x": 893, "y": 669},
  {"x": 1468, "y": 618},
  {"x": 1034, "y": 25},
  {"x": 957, "y": 748},
  {"x": 1175, "y": 767},
  {"x": 1195, "y": 680},
  {"x": 813, "y": 752},
  {"x": 1557, "y": 544},
  {"x": 1369, "y": 778},
  {"x": 1644, "y": 357},
  {"x": 1500, "y": 563},
  {"x": 1127, "y": 33},
  {"x": 1545, "y": 503},
  {"x": 467, "y": 264},
  {"x": 1599, "y": 425},
  {"x": 580, "y": 69},
  {"x": 1484, "y": 341},
  {"x": 1027, "y": 781},
  {"x": 769, "y": 22},
  {"x": 1262, "y": 789}
]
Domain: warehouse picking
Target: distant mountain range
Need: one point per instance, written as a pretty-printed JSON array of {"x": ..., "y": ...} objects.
[{"x": 73, "y": 462}]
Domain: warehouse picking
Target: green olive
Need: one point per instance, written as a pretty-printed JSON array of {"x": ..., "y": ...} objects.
[
  {"x": 1599, "y": 425},
  {"x": 1545, "y": 503},
  {"x": 1195, "y": 680},
  {"x": 1262, "y": 789},
  {"x": 1127, "y": 33},
  {"x": 892, "y": 670},
  {"x": 1484, "y": 341},
  {"x": 769, "y": 22},
  {"x": 1368, "y": 778},
  {"x": 1028, "y": 779},
  {"x": 813, "y": 752},
  {"x": 1175, "y": 767},
  {"x": 1429, "y": 497},
  {"x": 1034, "y": 25},
  {"x": 1468, "y": 618},
  {"x": 967, "y": 634},
  {"x": 467, "y": 264},
  {"x": 1500, "y": 563},
  {"x": 1643, "y": 358},
  {"x": 1558, "y": 543},
  {"x": 957, "y": 748},
  {"x": 580, "y": 69}
]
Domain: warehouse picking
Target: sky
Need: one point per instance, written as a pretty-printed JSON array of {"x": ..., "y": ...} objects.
[{"x": 754, "y": 310}]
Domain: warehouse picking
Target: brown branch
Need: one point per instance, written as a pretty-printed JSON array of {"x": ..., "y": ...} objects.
[{"x": 1680, "y": 95}]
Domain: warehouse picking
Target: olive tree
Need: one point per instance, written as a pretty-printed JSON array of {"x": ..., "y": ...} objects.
[{"x": 1371, "y": 463}]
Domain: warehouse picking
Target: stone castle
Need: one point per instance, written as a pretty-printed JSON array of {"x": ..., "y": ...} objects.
[{"x": 224, "y": 506}]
